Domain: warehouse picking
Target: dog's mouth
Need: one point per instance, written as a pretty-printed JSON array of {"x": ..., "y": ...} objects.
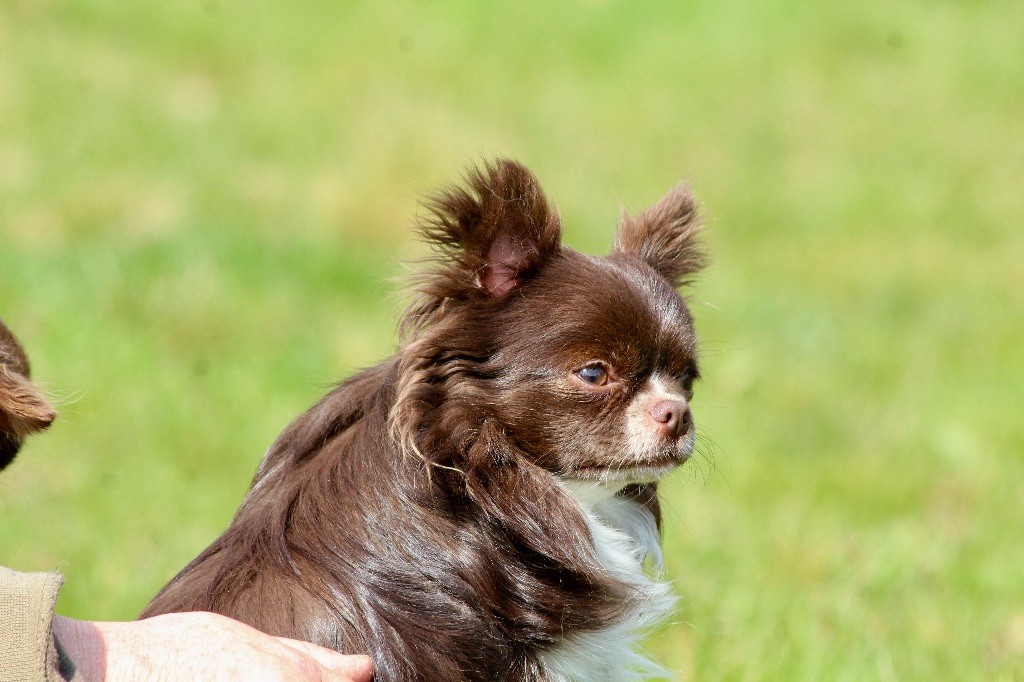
[
  {"x": 637, "y": 464},
  {"x": 646, "y": 470}
]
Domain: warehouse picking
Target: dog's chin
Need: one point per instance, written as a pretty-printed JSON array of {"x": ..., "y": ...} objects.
[{"x": 623, "y": 471}]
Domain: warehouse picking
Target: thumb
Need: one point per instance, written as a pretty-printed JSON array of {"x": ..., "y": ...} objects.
[
  {"x": 357, "y": 668},
  {"x": 346, "y": 667}
]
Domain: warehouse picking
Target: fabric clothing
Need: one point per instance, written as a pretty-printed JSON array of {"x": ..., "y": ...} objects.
[{"x": 28, "y": 650}]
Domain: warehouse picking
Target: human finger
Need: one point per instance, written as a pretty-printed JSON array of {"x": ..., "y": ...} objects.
[{"x": 358, "y": 668}]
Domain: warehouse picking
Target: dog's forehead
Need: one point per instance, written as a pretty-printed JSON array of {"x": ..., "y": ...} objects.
[
  {"x": 650, "y": 296},
  {"x": 614, "y": 308},
  {"x": 653, "y": 292}
]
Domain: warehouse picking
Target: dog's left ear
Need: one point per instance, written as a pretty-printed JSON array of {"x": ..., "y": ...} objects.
[
  {"x": 493, "y": 233},
  {"x": 665, "y": 236}
]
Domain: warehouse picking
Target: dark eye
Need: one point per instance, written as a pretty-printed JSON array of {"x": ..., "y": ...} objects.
[
  {"x": 593, "y": 374},
  {"x": 689, "y": 376}
]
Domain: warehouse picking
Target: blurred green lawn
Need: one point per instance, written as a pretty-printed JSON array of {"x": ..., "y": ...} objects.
[{"x": 202, "y": 205}]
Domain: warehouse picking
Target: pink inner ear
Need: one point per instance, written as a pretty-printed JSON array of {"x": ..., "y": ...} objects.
[{"x": 503, "y": 261}]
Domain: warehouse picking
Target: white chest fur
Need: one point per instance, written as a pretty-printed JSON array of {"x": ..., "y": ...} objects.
[{"x": 624, "y": 535}]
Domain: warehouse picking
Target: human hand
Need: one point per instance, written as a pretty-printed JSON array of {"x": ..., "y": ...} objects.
[{"x": 198, "y": 646}]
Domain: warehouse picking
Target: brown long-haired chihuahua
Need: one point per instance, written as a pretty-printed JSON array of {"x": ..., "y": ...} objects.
[{"x": 482, "y": 505}]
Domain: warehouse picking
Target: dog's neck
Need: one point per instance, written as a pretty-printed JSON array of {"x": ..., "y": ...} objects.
[
  {"x": 625, "y": 535},
  {"x": 591, "y": 493}
]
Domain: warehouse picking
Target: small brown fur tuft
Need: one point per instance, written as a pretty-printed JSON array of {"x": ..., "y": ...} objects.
[{"x": 23, "y": 409}]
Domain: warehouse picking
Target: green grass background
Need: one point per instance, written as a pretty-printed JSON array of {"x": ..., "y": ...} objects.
[{"x": 202, "y": 205}]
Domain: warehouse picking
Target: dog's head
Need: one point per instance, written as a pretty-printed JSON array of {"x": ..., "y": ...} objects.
[
  {"x": 584, "y": 364},
  {"x": 22, "y": 409}
]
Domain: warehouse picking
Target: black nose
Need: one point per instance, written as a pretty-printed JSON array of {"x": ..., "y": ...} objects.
[{"x": 671, "y": 417}]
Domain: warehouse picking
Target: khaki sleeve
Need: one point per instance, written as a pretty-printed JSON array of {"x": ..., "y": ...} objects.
[{"x": 27, "y": 650}]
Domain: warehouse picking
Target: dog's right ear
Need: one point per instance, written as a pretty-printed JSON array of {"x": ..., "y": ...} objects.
[
  {"x": 23, "y": 410},
  {"x": 666, "y": 236},
  {"x": 492, "y": 234}
]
